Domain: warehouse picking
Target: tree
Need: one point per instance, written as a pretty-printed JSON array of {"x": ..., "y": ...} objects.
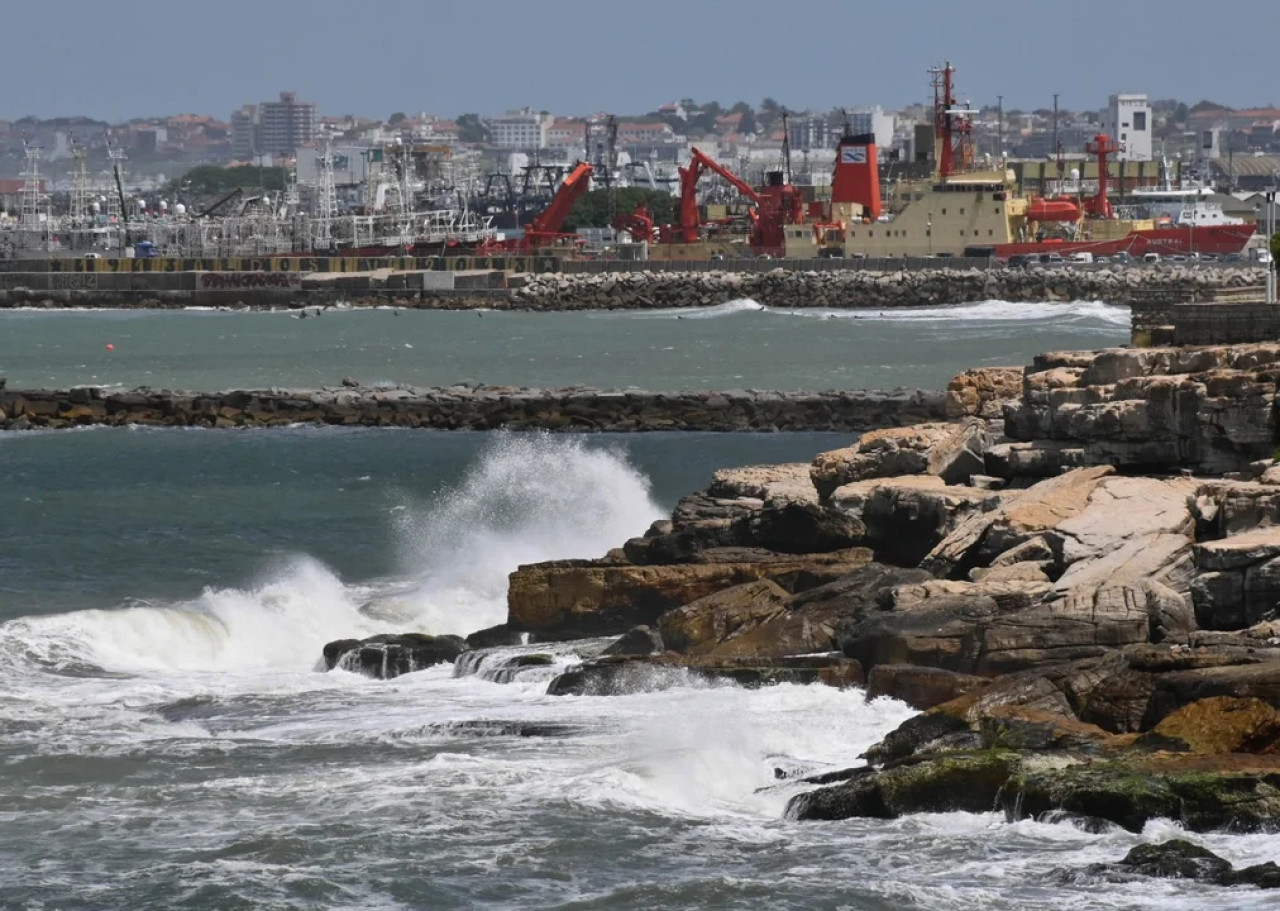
[
  {"x": 472, "y": 129},
  {"x": 1206, "y": 105},
  {"x": 396, "y": 119},
  {"x": 1180, "y": 113},
  {"x": 592, "y": 210},
  {"x": 741, "y": 107},
  {"x": 769, "y": 106},
  {"x": 210, "y": 180},
  {"x": 748, "y": 123}
]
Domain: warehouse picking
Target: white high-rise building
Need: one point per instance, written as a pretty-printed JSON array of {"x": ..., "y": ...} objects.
[
  {"x": 521, "y": 129},
  {"x": 1127, "y": 119},
  {"x": 872, "y": 120}
]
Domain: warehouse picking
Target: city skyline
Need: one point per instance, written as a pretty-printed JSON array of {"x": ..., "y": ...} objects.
[{"x": 627, "y": 59}]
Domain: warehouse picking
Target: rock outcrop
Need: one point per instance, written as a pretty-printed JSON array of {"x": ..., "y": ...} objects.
[{"x": 389, "y": 656}]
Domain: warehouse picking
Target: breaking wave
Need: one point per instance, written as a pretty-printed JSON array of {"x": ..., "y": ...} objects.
[{"x": 525, "y": 499}]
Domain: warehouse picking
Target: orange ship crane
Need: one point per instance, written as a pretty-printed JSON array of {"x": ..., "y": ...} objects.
[
  {"x": 689, "y": 221},
  {"x": 545, "y": 229}
]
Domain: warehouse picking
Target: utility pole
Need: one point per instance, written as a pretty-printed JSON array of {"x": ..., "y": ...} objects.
[
  {"x": 1000, "y": 127},
  {"x": 1055, "y": 126},
  {"x": 1271, "y": 230}
]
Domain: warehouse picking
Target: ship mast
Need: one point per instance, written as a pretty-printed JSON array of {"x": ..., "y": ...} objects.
[{"x": 952, "y": 128}]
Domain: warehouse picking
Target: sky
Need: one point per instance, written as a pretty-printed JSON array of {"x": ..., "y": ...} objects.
[{"x": 116, "y": 61}]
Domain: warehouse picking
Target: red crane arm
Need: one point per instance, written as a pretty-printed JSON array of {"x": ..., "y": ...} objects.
[
  {"x": 571, "y": 190},
  {"x": 689, "y": 223},
  {"x": 738, "y": 183}
]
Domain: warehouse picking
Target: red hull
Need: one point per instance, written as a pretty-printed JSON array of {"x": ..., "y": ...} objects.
[{"x": 1218, "y": 240}]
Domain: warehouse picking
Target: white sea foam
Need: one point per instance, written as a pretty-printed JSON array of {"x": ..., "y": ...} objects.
[
  {"x": 526, "y": 499},
  {"x": 986, "y": 311},
  {"x": 981, "y": 312}
]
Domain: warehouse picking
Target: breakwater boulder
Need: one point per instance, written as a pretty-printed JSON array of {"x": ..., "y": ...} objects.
[
  {"x": 471, "y": 408},
  {"x": 854, "y": 288}
]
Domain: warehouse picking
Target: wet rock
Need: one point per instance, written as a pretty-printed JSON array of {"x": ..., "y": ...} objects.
[
  {"x": 388, "y": 656},
  {"x": 617, "y": 676},
  {"x": 963, "y": 782},
  {"x": 1219, "y": 724},
  {"x": 920, "y": 687},
  {"x": 494, "y": 636},
  {"x": 640, "y": 640}
]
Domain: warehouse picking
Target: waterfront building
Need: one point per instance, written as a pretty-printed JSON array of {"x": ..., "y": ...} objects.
[{"x": 1127, "y": 119}]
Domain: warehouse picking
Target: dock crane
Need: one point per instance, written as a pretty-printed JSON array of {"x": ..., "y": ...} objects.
[
  {"x": 690, "y": 223},
  {"x": 545, "y": 229}
]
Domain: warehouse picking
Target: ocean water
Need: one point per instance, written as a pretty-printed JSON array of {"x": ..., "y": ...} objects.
[
  {"x": 167, "y": 740},
  {"x": 734, "y": 345}
]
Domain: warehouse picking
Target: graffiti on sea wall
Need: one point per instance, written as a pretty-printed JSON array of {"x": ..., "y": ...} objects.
[{"x": 236, "y": 281}]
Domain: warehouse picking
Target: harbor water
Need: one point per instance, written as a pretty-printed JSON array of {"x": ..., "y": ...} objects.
[{"x": 167, "y": 740}]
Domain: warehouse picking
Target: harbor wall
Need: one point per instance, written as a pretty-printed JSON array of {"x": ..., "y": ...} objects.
[
  {"x": 1151, "y": 289},
  {"x": 474, "y": 408}
]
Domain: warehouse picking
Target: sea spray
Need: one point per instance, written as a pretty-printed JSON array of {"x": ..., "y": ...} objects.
[
  {"x": 524, "y": 499},
  {"x": 527, "y": 498}
]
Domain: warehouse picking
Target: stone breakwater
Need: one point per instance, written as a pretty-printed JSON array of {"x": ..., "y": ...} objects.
[
  {"x": 482, "y": 408},
  {"x": 1157, "y": 287},
  {"x": 857, "y": 289}
]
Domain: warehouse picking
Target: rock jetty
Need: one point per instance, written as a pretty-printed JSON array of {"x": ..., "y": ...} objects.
[
  {"x": 865, "y": 289},
  {"x": 1083, "y": 597},
  {"x": 481, "y": 408},
  {"x": 656, "y": 287}
]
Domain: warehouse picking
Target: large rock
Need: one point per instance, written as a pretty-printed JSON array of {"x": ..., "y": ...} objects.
[
  {"x": 903, "y": 518},
  {"x": 983, "y": 392},
  {"x": 702, "y": 625},
  {"x": 1239, "y": 583},
  {"x": 620, "y": 676},
  {"x": 1180, "y": 859},
  {"x": 920, "y": 687},
  {"x": 577, "y": 598},
  {"x": 953, "y": 452},
  {"x": 1220, "y": 724},
  {"x": 389, "y": 656},
  {"x": 1210, "y": 410}
]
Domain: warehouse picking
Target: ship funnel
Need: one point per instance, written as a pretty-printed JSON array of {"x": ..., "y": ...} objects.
[{"x": 857, "y": 175}]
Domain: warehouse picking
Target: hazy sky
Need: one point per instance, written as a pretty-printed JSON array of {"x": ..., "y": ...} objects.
[{"x": 117, "y": 60}]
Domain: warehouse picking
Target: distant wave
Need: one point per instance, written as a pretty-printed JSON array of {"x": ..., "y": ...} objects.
[{"x": 985, "y": 311}]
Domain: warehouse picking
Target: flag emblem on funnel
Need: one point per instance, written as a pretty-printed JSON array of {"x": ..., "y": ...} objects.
[{"x": 853, "y": 155}]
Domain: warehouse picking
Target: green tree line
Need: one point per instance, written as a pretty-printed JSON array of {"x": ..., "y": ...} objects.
[
  {"x": 592, "y": 210},
  {"x": 210, "y": 180}
]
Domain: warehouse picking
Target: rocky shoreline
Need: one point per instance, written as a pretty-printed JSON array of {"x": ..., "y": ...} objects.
[
  {"x": 480, "y": 408},
  {"x": 1082, "y": 596}
]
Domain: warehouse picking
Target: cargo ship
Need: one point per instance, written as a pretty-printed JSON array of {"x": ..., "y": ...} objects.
[{"x": 965, "y": 210}]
